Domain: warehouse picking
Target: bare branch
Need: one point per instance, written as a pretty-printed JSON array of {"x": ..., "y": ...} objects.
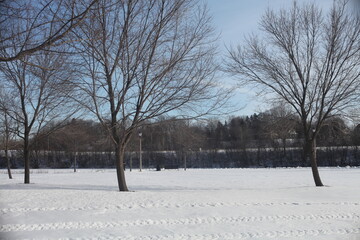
[{"x": 57, "y": 26}]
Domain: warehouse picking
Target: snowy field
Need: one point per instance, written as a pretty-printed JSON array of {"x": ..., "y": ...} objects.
[{"x": 193, "y": 204}]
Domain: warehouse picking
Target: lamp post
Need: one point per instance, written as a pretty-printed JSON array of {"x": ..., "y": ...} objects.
[
  {"x": 314, "y": 142},
  {"x": 130, "y": 161},
  {"x": 140, "y": 152}
]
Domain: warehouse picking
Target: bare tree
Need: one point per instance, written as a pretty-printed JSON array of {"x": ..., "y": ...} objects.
[
  {"x": 36, "y": 94},
  {"x": 24, "y": 20},
  {"x": 144, "y": 59},
  {"x": 6, "y": 130},
  {"x": 309, "y": 60}
]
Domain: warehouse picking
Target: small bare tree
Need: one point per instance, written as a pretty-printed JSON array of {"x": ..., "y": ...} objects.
[
  {"x": 36, "y": 94},
  {"x": 144, "y": 59},
  {"x": 6, "y": 130},
  {"x": 309, "y": 60},
  {"x": 24, "y": 20}
]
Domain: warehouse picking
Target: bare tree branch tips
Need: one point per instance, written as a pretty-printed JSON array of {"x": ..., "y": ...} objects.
[{"x": 29, "y": 26}]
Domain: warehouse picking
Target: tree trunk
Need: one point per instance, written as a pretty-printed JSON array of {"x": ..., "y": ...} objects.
[
  {"x": 8, "y": 162},
  {"x": 119, "y": 158},
  {"x": 7, "y": 140},
  {"x": 26, "y": 160},
  {"x": 311, "y": 152}
]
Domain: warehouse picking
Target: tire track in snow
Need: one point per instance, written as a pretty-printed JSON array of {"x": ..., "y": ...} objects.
[
  {"x": 181, "y": 221},
  {"x": 153, "y": 205},
  {"x": 244, "y": 235}
]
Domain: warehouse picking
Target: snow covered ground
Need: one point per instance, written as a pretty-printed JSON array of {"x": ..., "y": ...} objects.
[{"x": 193, "y": 204}]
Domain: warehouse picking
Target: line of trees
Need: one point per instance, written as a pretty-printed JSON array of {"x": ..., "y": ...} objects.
[
  {"x": 124, "y": 62},
  {"x": 127, "y": 63},
  {"x": 271, "y": 130}
]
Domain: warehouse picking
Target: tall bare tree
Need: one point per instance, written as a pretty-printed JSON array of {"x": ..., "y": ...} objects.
[
  {"x": 144, "y": 59},
  {"x": 24, "y": 20},
  {"x": 308, "y": 59}
]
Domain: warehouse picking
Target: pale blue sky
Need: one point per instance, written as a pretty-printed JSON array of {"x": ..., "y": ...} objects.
[{"x": 234, "y": 19}]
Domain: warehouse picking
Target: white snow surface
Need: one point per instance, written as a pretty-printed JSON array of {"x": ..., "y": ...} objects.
[{"x": 176, "y": 204}]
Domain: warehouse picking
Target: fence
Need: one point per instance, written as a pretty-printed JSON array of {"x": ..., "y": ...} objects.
[{"x": 254, "y": 157}]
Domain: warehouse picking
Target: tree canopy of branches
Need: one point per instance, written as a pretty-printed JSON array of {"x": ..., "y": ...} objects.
[
  {"x": 144, "y": 59},
  {"x": 308, "y": 59},
  {"x": 24, "y": 20}
]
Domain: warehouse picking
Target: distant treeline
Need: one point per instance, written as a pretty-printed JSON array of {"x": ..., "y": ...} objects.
[{"x": 269, "y": 139}]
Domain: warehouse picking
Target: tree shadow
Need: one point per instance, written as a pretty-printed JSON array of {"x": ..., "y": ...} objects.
[{"x": 76, "y": 187}]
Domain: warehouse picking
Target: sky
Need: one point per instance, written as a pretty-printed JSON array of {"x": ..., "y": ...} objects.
[{"x": 234, "y": 19}]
